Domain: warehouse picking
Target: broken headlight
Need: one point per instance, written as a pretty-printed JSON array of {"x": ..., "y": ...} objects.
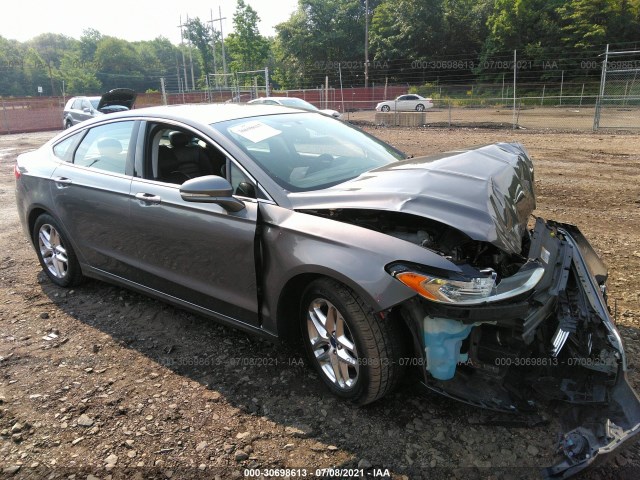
[{"x": 467, "y": 290}]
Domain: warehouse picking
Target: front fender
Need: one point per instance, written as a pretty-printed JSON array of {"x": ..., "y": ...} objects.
[{"x": 295, "y": 244}]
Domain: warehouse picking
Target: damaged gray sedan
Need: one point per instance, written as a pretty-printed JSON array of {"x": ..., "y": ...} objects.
[{"x": 293, "y": 225}]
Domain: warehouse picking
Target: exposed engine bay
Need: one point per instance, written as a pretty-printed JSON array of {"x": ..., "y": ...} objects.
[
  {"x": 552, "y": 343},
  {"x": 430, "y": 234}
]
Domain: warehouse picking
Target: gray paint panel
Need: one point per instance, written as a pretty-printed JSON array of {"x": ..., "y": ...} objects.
[{"x": 486, "y": 193}]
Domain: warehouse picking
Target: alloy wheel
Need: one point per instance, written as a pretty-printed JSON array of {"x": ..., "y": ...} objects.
[
  {"x": 54, "y": 253},
  {"x": 332, "y": 344}
]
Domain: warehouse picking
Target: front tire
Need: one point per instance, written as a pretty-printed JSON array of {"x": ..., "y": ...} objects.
[
  {"x": 385, "y": 108},
  {"x": 354, "y": 351},
  {"x": 57, "y": 258}
]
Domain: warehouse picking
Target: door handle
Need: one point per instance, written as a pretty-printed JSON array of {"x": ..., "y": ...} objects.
[
  {"x": 62, "y": 182},
  {"x": 148, "y": 198}
]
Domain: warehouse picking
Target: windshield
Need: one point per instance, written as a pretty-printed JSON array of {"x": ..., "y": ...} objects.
[{"x": 307, "y": 151}]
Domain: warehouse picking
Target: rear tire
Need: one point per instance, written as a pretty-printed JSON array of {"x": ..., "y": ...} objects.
[
  {"x": 355, "y": 352},
  {"x": 420, "y": 108},
  {"x": 68, "y": 124},
  {"x": 57, "y": 258}
]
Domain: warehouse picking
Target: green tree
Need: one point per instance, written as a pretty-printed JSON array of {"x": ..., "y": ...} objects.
[
  {"x": 50, "y": 48},
  {"x": 319, "y": 36},
  {"x": 246, "y": 47},
  {"x": 407, "y": 32},
  {"x": 293, "y": 50},
  {"x": 408, "y": 29},
  {"x": 514, "y": 24},
  {"x": 118, "y": 64},
  {"x": 585, "y": 22},
  {"x": 79, "y": 76},
  {"x": 159, "y": 56},
  {"x": 532, "y": 27},
  {"x": 465, "y": 25},
  {"x": 89, "y": 44},
  {"x": 588, "y": 23},
  {"x": 12, "y": 64}
]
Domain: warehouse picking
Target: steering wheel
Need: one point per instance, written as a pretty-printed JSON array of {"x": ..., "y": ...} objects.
[{"x": 321, "y": 162}]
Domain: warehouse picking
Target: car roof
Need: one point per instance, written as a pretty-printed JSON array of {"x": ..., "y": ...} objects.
[
  {"x": 272, "y": 98},
  {"x": 278, "y": 99}
]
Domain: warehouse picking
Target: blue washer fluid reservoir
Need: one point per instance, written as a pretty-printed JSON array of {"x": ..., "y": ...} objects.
[{"x": 443, "y": 338}]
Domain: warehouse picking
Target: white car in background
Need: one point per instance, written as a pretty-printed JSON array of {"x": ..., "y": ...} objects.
[
  {"x": 295, "y": 103},
  {"x": 405, "y": 103}
]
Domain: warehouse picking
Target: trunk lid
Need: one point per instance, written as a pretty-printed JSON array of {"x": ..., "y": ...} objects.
[{"x": 124, "y": 97}]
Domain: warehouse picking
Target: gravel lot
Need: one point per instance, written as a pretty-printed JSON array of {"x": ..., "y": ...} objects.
[{"x": 99, "y": 381}]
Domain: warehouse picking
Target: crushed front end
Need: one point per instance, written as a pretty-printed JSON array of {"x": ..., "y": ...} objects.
[
  {"x": 515, "y": 314},
  {"x": 508, "y": 334}
]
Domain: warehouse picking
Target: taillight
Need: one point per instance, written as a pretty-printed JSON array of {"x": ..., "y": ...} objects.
[{"x": 16, "y": 171}]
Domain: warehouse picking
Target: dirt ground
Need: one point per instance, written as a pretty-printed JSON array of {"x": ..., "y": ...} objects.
[{"x": 99, "y": 382}]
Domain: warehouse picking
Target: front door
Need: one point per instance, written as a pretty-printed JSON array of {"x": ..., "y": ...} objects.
[{"x": 197, "y": 252}]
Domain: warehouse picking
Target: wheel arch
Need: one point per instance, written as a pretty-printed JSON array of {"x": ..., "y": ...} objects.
[
  {"x": 288, "y": 305},
  {"x": 33, "y": 215}
]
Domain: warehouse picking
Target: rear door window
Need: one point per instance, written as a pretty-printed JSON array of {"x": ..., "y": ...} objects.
[{"x": 106, "y": 147}]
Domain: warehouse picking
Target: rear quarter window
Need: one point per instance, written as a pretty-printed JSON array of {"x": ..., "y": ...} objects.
[{"x": 63, "y": 149}]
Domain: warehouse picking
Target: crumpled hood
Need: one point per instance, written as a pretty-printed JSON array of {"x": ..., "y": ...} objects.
[{"x": 485, "y": 192}]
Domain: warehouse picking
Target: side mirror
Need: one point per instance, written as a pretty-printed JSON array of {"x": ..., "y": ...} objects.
[{"x": 211, "y": 189}]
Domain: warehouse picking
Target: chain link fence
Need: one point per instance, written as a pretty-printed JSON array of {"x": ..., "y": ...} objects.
[
  {"x": 612, "y": 103},
  {"x": 358, "y": 105},
  {"x": 538, "y": 113},
  {"x": 618, "y": 104}
]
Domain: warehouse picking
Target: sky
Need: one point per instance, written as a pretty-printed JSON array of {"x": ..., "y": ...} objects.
[{"x": 130, "y": 20}]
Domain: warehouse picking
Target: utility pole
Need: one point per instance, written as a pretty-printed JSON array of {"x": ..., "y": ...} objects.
[
  {"x": 178, "y": 73},
  {"x": 366, "y": 44},
  {"x": 213, "y": 46},
  {"x": 184, "y": 64},
  {"x": 224, "y": 57},
  {"x": 515, "y": 63},
  {"x": 193, "y": 80}
]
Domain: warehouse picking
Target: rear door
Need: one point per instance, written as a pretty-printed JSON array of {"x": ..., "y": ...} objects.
[
  {"x": 197, "y": 252},
  {"x": 85, "y": 112},
  {"x": 407, "y": 103},
  {"x": 90, "y": 192}
]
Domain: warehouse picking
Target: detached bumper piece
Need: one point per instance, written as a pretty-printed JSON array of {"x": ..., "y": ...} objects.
[
  {"x": 603, "y": 428},
  {"x": 555, "y": 342},
  {"x": 614, "y": 417}
]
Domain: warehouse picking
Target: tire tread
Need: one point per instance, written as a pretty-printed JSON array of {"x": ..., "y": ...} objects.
[{"x": 381, "y": 336}]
